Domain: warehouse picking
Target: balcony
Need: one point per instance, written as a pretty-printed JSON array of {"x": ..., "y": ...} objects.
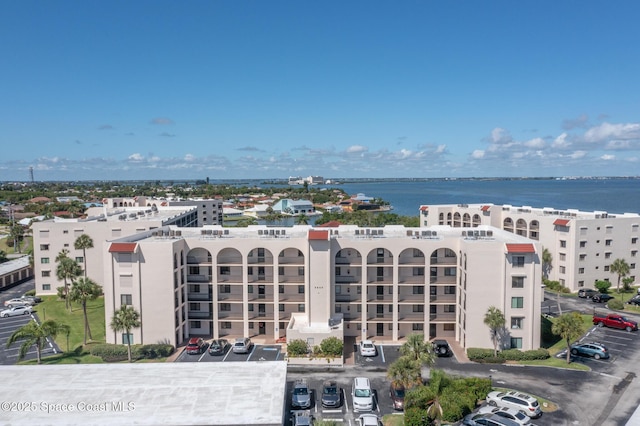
[
  {"x": 443, "y": 298},
  {"x": 380, "y": 279},
  {"x": 348, "y": 279},
  {"x": 291, "y": 278},
  {"x": 291, "y": 260},
  {"x": 411, "y": 298},
  {"x": 404, "y": 261},
  {"x": 384, "y": 298},
  {"x": 348, "y": 298},
  {"x": 412, "y": 279},
  {"x": 291, "y": 297},
  {"x": 443, "y": 317},
  {"x": 227, "y": 278},
  {"x": 198, "y": 278},
  {"x": 229, "y": 260},
  {"x": 230, "y": 297},
  {"x": 444, "y": 260},
  {"x": 199, "y": 297},
  {"x": 200, "y": 315},
  {"x": 266, "y": 298},
  {"x": 348, "y": 261},
  {"x": 411, "y": 316},
  {"x": 443, "y": 279},
  {"x": 387, "y": 316},
  {"x": 230, "y": 316},
  {"x": 267, "y": 278},
  {"x": 198, "y": 260}
]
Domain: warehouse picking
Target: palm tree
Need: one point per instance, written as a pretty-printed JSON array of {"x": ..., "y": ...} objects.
[
  {"x": 569, "y": 327},
  {"x": 494, "y": 319},
  {"x": 436, "y": 388},
  {"x": 547, "y": 259},
  {"x": 405, "y": 371},
  {"x": 416, "y": 349},
  {"x": 302, "y": 219},
  {"x": 67, "y": 270},
  {"x": 16, "y": 233},
  {"x": 36, "y": 334},
  {"x": 84, "y": 289},
  {"x": 620, "y": 267},
  {"x": 125, "y": 319},
  {"x": 83, "y": 242}
]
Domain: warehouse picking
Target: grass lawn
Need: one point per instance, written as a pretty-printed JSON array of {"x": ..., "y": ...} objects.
[
  {"x": 53, "y": 309},
  {"x": 393, "y": 420}
]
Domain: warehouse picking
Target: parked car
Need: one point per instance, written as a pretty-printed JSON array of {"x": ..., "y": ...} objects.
[
  {"x": 368, "y": 420},
  {"x": 242, "y": 345},
  {"x": 302, "y": 418},
  {"x": 396, "y": 391},
  {"x": 517, "y": 416},
  {"x": 362, "y": 394},
  {"x": 301, "y": 397},
  {"x": 367, "y": 348},
  {"x": 487, "y": 419},
  {"x": 594, "y": 349},
  {"x": 32, "y": 299},
  {"x": 601, "y": 298},
  {"x": 442, "y": 348},
  {"x": 218, "y": 347},
  {"x": 330, "y": 394},
  {"x": 196, "y": 346},
  {"x": 15, "y": 311},
  {"x": 17, "y": 302},
  {"x": 517, "y": 400},
  {"x": 635, "y": 300},
  {"x": 587, "y": 293}
]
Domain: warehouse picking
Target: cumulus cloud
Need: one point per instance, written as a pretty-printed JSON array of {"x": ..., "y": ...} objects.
[
  {"x": 477, "y": 154},
  {"x": 189, "y": 157},
  {"x": 608, "y": 131},
  {"x": 162, "y": 121},
  {"x": 500, "y": 136},
  {"x": 608, "y": 157},
  {"x": 355, "y": 149},
  {"x": 136, "y": 157},
  {"x": 579, "y": 122}
]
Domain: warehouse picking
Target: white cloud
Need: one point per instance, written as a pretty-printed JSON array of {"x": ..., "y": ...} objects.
[
  {"x": 354, "y": 149},
  {"x": 608, "y": 157},
  {"x": 608, "y": 131},
  {"x": 536, "y": 143},
  {"x": 189, "y": 157},
  {"x": 500, "y": 136},
  {"x": 577, "y": 154},
  {"x": 477, "y": 154},
  {"x": 136, "y": 157},
  {"x": 561, "y": 141}
]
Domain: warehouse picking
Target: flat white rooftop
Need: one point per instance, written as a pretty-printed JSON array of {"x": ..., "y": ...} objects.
[{"x": 203, "y": 393}]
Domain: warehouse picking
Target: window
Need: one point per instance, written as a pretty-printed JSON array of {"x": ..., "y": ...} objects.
[
  {"x": 250, "y": 307},
  {"x": 562, "y": 269},
  {"x": 634, "y": 240},
  {"x": 226, "y": 288},
  {"x": 632, "y": 266},
  {"x": 517, "y": 302},
  {"x": 448, "y": 327},
  {"x": 125, "y": 299},
  {"x": 634, "y": 253},
  {"x": 195, "y": 324},
  {"x": 44, "y": 247},
  {"x": 225, "y": 270},
  {"x": 583, "y": 244},
  {"x": 280, "y": 270},
  {"x": 607, "y": 242},
  {"x": 418, "y": 289},
  {"x": 450, "y": 308},
  {"x": 46, "y": 287},
  {"x": 517, "y": 282},
  {"x": 249, "y": 288},
  {"x": 127, "y": 339},
  {"x": 194, "y": 288},
  {"x": 581, "y": 270},
  {"x": 281, "y": 307},
  {"x": 582, "y": 257},
  {"x": 225, "y": 325},
  {"x": 337, "y": 271},
  {"x": 563, "y": 256},
  {"x": 418, "y": 272},
  {"x": 301, "y": 289},
  {"x": 66, "y": 231},
  {"x": 450, "y": 289},
  {"x": 301, "y": 271},
  {"x": 44, "y": 260},
  {"x": 281, "y": 289},
  {"x": 563, "y": 243},
  {"x": 418, "y": 308},
  {"x": 516, "y": 342},
  {"x": 80, "y": 259},
  {"x": 518, "y": 261},
  {"x": 516, "y": 322},
  {"x": 417, "y": 253},
  {"x": 46, "y": 273},
  {"x": 301, "y": 307},
  {"x": 580, "y": 283},
  {"x": 607, "y": 255},
  {"x": 224, "y": 307},
  {"x": 417, "y": 327}
]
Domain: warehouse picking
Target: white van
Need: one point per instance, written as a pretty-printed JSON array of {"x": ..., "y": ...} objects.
[{"x": 362, "y": 394}]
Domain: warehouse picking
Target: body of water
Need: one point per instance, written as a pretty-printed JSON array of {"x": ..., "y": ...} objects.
[{"x": 610, "y": 195}]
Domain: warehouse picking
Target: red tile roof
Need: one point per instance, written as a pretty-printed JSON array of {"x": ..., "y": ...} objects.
[
  {"x": 318, "y": 235},
  {"x": 521, "y": 248},
  {"x": 424, "y": 208},
  {"x": 561, "y": 222},
  {"x": 122, "y": 247},
  {"x": 330, "y": 224},
  {"x": 485, "y": 208}
]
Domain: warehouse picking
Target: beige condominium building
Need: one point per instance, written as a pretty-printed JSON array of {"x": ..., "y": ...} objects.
[
  {"x": 117, "y": 218},
  {"x": 582, "y": 244},
  {"x": 272, "y": 283}
]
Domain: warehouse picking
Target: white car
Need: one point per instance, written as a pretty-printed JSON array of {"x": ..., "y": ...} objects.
[
  {"x": 517, "y": 416},
  {"x": 17, "y": 302},
  {"x": 361, "y": 394},
  {"x": 367, "y": 348},
  {"x": 512, "y": 399},
  {"x": 368, "y": 420},
  {"x": 15, "y": 311}
]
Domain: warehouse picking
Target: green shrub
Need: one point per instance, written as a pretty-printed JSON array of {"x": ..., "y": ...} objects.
[
  {"x": 332, "y": 346},
  {"x": 297, "y": 347},
  {"x": 114, "y": 353},
  {"x": 615, "y": 304},
  {"x": 30, "y": 292},
  {"x": 602, "y": 286},
  {"x": 478, "y": 354}
]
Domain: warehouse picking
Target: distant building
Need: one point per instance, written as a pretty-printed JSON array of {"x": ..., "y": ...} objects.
[
  {"x": 583, "y": 244},
  {"x": 14, "y": 272},
  {"x": 294, "y": 207}
]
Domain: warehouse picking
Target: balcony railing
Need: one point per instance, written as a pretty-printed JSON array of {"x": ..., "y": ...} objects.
[
  {"x": 443, "y": 279},
  {"x": 225, "y": 278},
  {"x": 348, "y": 261},
  {"x": 199, "y": 296},
  {"x": 347, "y": 298},
  {"x": 443, "y": 317},
  {"x": 200, "y": 315},
  {"x": 411, "y": 298},
  {"x": 444, "y": 260},
  {"x": 193, "y": 260},
  {"x": 443, "y": 298},
  {"x": 291, "y": 260},
  {"x": 198, "y": 278},
  {"x": 412, "y": 279},
  {"x": 348, "y": 279}
]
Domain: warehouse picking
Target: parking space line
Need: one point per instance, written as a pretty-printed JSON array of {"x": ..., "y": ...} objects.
[
  {"x": 253, "y": 349},
  {"x": 381, "y": 350}
]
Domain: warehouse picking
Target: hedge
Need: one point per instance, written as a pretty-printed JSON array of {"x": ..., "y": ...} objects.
[
  {"x": 114, "y": 353},
  {"x": 486, "y": 355},
  {"x": 615, "y": 304}
]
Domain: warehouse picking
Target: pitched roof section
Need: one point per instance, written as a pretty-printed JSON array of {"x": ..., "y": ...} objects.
[
  {"x": 330, "y": 224},
  {"x": 318, "y": 235},
  {"x": 485, "y": 208},
  {"x": 123, "y": 247},
  {"x": 561, "y": 222},
  {"x": 521, "y": 248},
  {"x": 424, "y": 208}
]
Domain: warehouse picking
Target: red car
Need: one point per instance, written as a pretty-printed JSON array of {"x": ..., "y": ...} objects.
[{"x": 196, "y": 346}]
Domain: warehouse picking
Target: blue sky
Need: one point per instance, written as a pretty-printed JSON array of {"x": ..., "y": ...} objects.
[{"x": 271, "y": 89}]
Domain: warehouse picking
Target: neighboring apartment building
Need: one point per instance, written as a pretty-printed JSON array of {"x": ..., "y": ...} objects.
[
  {"x": 583, "y": 244},
  {"x": 117, "y": 218},
  {"x": 274, "y": 282}
]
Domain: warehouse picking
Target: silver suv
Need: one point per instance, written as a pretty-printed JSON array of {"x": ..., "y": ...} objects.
[
  {"x": 517, "y": 400},
  {"x": 301, "y": 397},
  {"x": 242, "y": 345}
]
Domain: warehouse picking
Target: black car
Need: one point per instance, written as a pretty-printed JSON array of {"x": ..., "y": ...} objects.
[
  {"x": 601, "y": 298},
  {"x": 587, "y": 293},
  {"x": 442, "y": 348},
  {"x": 635, "y": 300},
  {"x": 219, "y": 347},
  {"x": 330, "y": 394}
]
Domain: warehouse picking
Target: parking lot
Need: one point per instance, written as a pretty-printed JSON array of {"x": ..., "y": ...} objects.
[
  {"x": 9, "y": 356},
  {"x": 257, "y": 353}
]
